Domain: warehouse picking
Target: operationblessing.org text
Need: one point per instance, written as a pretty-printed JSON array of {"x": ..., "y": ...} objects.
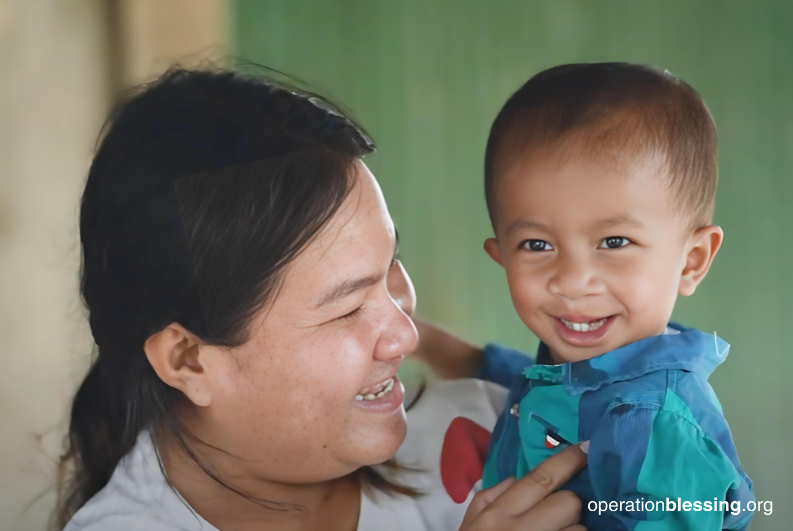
[{"x": 733, "y": 507}]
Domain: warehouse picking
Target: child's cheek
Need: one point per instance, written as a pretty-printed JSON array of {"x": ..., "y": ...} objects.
[
  {"x": 647, "y": 291},
  {"x": 526, "y": 293}
]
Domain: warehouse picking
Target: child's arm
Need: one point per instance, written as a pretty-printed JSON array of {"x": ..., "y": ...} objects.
[
  {"x": 659, "y": 455},
  {"x": 451, "y": 357}
]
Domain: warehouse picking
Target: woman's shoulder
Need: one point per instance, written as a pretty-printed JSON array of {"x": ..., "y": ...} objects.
[
  {"x": 130, "y": 522},
  {"x": 441, "y": 402},
  {"x": 420, "y": 456},
  {"x": 138, "y": 498}
]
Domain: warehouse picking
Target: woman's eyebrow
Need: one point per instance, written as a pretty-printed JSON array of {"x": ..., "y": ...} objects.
[{"x": 348, "y": 286}]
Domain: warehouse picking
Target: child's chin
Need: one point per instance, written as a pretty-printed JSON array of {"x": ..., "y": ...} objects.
[
  {"x": 567, "y": 353},
  {"x": 577, "y": 354}
]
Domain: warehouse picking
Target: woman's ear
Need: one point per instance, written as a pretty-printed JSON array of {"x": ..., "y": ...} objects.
[
  {"x": 174, "y": 354},
  {"x": 491, "y": 248},
  {"x": 702, "y": 248}
]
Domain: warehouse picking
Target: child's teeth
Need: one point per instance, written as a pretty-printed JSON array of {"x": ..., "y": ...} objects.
[{"x": 584, "y": 327}]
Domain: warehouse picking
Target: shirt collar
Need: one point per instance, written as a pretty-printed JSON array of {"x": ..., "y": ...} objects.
[{"x": 690, "y": 350}]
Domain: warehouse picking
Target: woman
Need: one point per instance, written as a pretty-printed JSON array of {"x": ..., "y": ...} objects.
[{"x": 237, "y": 257}]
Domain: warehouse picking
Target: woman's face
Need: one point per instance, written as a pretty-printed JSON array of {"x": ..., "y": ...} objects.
[{"x": 313, "y": 394}]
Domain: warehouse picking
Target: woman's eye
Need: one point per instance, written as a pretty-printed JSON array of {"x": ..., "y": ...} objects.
[
  {"x": 614, "y": 242},
  {"x": 537, "y": 245},
  {"x": 351, "y": 314}
]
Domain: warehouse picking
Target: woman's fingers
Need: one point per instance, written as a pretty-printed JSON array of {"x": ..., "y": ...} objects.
[
  {"x": 483, "y": 498},
  {"x": 541, "y": 482},
  {"x": 531, "y": 504},
  {"x": 558, "y": 511}
]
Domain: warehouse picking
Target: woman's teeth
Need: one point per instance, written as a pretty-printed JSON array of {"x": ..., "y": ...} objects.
[
  {"x": 584, "y": 327},
  {"x": 378, "y": 392}
]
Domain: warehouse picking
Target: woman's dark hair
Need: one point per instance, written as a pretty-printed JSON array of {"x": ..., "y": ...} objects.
[{"x": 205, "y": 185}]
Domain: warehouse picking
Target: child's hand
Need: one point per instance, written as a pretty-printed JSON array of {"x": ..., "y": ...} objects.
[{"x": 531, "y": 504}]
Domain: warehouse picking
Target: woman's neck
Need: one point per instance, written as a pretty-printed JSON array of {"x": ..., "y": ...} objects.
[{"x": 269, "y": 505}]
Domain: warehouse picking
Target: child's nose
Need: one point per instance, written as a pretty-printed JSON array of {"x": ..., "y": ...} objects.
[{"x": 574, "y": 278}]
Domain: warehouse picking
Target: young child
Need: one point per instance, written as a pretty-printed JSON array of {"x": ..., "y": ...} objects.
[{"x": 600, "y": 182}]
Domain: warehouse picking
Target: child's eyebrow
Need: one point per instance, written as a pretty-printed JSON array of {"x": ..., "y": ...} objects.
[
  {"x": 619, "y": 221},
  {"x": 525, "y": 224}
]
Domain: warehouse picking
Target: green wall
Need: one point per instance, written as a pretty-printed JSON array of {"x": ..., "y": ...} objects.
[{"x": 426, "y": 77}]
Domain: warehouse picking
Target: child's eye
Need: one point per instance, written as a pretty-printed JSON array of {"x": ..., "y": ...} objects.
[
  {"x": 537, "y": 245},
  {"x": 613, "y": 242}
]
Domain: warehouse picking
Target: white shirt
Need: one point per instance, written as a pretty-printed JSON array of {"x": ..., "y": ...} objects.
[{"x": 138, "y": 498}]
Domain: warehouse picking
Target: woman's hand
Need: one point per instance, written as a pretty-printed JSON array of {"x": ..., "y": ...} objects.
[{"x": 531, "y": 504}]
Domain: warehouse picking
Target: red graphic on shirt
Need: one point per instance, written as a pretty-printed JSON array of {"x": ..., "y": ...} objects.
[
  {"x": 463, "y": 457},
  {"x": 551, "y": 442}
]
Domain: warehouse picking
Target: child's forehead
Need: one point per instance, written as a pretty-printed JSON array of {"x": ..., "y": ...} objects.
[
  {"x": 620, "y": 146},
  {"x": 576, "y": 186},
  {"x": 602, "y": 165}
]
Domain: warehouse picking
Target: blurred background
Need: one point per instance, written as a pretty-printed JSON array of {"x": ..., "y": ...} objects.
[{"x": 426, "y": 78}]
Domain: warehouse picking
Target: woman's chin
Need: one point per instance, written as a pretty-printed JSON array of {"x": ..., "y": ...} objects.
[{"x": 377, "y": 446}]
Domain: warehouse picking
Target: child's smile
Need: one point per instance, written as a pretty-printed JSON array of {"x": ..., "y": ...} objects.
[
  {"x": 583, "y": 331},
  {"x": 594, "y": 250}
]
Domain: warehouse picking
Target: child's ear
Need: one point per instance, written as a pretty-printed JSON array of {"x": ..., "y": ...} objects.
[
  {"x": 491, "y": 248},
  {"x": 702, "y": 248}
]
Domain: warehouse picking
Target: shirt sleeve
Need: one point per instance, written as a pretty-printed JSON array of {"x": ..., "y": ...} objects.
[
  {"x": 501, "y": 364},
  {"x": 644, "y": 455}
]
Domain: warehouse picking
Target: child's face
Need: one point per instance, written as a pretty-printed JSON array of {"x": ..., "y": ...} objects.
[{"x": 595, "y": 253}]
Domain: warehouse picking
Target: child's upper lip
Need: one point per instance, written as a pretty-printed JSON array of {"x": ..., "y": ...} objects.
[{"x": 579, "y": 318}]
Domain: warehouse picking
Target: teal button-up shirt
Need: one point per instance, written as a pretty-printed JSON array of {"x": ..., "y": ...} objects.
[{"x": 658, "y": 438}]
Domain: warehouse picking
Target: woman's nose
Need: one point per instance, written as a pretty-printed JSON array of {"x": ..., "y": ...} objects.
[
  {"x": 573, "y": 278},
  {"x": 399, "y": 337},
  {"x": 400, "y": 287}
]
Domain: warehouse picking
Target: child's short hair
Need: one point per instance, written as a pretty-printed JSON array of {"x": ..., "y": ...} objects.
[{"x": 609, "y": 109}]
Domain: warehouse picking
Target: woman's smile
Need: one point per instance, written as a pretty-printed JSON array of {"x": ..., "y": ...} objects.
[{"x": 385, "y": 397}]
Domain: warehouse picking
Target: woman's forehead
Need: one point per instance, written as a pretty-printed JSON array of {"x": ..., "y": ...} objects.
[{"x": 357, "y": 243}]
